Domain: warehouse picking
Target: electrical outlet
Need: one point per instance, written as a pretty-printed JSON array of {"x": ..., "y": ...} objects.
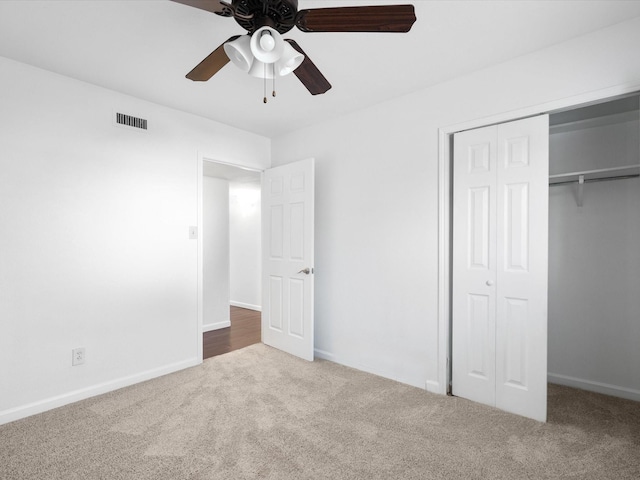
[{"x": 77, "y": 356}]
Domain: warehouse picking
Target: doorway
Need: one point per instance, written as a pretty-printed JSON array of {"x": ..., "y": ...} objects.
[
  {"x": 286, "y": 254},
  {"x": 591, "y": 360},
  {"x": 231, "y": 249}
]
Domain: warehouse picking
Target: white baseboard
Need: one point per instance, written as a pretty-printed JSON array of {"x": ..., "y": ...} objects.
[
  {"x": 216, "y": 326},
  {"x": 598, "y": 387},
  {"x": 434, "y": 387},
  {"x": 29, "y": 409},
  {"x": 324, "y": 355},
  {"x": 248, "y": 306}
]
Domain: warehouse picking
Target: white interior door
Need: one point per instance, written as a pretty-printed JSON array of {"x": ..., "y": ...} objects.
[
  {"x": 474, "y": 265},
  {"x": 287, "y": 258},
  {"x": 500, "y": 258}
]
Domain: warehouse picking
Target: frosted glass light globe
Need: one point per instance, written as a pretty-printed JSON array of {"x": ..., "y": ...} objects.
[
  {"x": 266, "y": 45},
  {"x": 267, "y": 42}
]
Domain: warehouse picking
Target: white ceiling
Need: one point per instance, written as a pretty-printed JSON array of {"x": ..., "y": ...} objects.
[{"x": 144, "y": 48}]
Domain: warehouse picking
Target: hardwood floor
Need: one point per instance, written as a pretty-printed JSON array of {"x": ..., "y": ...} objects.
[{"x": 244, "y": 331}]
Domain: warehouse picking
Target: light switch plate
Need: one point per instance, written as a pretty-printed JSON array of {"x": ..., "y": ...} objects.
[{"x": 193, "y": 232}]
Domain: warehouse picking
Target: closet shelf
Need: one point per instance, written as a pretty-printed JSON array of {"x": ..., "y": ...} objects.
[{"x": 601, "y": 174}]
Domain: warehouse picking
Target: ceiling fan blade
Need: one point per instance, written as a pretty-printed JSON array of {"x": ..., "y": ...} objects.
[
  {"x": 215, "y": 6},
  {"x": 375, "y": 18},
  {"x": 309, "y": 74},
  {"x": 208, "y": 67}
]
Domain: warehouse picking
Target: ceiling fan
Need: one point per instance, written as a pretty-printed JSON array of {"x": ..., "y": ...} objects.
[{"x": 263, "y": 53}]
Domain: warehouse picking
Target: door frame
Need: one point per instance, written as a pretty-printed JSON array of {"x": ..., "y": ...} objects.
[
  {"x": 442, "y": 384},
  {"x": 201, "y": 158}
]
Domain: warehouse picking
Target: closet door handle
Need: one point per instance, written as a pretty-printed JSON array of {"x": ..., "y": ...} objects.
[{"x": 489, "y": 283}]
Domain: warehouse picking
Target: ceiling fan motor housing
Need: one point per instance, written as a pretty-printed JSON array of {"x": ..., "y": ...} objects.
[{"x": 277, "y": 14}]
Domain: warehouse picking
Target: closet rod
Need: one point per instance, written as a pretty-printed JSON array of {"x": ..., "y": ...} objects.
[
  {"x": 588, "y": 180},
  {"x": 600, "y": 170}
]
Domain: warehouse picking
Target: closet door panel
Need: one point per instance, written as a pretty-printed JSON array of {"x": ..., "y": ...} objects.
[
  {"x": 474, "y": 265},
  {"x": 522, "y": 246},
  {"x": 516, "y": 227}
]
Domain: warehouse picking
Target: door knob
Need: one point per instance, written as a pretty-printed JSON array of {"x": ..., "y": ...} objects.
[
  {"x": 306, "y": 271},
  {"x": 489, "y": 283}
]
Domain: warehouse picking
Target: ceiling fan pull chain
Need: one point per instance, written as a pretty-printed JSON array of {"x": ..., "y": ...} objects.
[
  {"x": 274, "y": 79},
  {"x": 265, "y": 83}
]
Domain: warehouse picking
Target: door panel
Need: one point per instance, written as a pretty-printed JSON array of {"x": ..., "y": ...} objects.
[
  {"x": 474, "y": 265},
  {"x": 276, "y": 237},
  {"x": 479, "y": 326},
  {"x": 479, "y": 227},
  {"x": 516, "y": 320},
  {"x": 288, "y": 216},
  {"x": 516, "y": 227},
  {"x": 499, "y": 271},
  {"x": 521, "y": 319},
  {"x": 275, "y": 308}
]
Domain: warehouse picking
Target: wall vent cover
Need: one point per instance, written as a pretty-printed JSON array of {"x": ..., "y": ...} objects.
[{"x": 130, "y": 121}]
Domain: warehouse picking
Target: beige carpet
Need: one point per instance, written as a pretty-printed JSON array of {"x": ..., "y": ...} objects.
[{"x": 259, "y": 413}]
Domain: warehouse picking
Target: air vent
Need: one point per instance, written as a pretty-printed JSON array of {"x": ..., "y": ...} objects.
[{"x": 129, "y": 121}]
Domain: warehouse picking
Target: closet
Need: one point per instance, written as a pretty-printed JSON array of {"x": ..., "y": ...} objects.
[
  {"x": 545, "y": 269},
  {"x": 594, "y": 248}
]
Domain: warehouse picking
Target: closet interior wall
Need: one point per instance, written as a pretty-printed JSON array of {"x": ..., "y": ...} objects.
[{"x": 594, "y": 256}]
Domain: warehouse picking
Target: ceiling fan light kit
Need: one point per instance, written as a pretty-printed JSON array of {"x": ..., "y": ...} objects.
[
  {"x": 263, "y": 53},
  {"x": 289, "y": 61},
  {"x": 261, "y": 70},
  {"x": 267, "y": 45},
  {"x": 239, "y": 52}
]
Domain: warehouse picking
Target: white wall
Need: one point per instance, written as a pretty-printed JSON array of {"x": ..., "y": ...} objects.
[
  {"x": 94, "y": 246},
  {"x": 594, "y": 264},
  {"x": 377, "y": 197},
  {"x": 215, "y": 237},
  {"x": 245, "y": 250}
]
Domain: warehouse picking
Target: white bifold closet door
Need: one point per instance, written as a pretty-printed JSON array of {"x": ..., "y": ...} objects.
[{"x": 499, "y": 272}]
